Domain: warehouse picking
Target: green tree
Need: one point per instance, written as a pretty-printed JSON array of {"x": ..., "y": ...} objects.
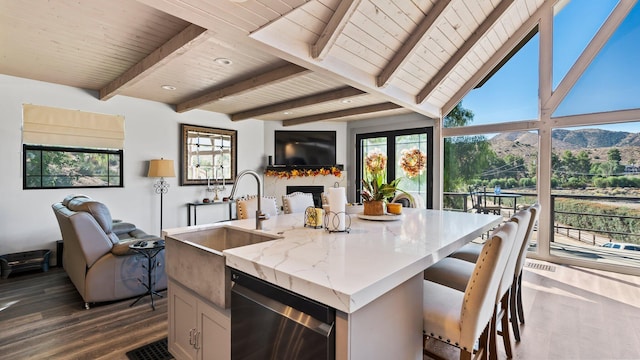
[
  {"x": 568, "y": 164},
  {"x": 555, "y": 162},
  {"x": 464, "y": 157},
  {"x": 614, "y": 155},
  {"x": 608, "y": 168},
  {"x": 516, "y": 166},
  {"x": 583, "y": 163}
]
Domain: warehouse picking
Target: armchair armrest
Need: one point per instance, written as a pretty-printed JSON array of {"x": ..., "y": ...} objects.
[
  {"x": 120, "y": 228},
  {"x": 122, "y": 248}
]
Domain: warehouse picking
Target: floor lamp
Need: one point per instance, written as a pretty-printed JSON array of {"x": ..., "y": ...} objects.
[{"x": 161, "y": 168}]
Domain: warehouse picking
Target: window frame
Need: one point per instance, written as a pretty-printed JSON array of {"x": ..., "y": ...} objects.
[
  {"x": 391, "y": 157},
  {"x": 31, "y": 147}
]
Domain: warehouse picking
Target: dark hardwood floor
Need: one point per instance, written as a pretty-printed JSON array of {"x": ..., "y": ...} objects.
[
  {"x": 49, "y": 321},
  {"x": 571, "y": 313}
]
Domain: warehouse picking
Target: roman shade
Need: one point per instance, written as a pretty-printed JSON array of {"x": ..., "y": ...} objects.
[{"x": 43, "y": 125}]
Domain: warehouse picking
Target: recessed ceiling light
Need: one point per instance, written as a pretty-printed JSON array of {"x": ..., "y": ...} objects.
[
  {"x": 168, "y": 87},
  {"x": 347, "y": 101},
  {"x": 223, "y": 61},
  {"x": 288, "y": 112}
]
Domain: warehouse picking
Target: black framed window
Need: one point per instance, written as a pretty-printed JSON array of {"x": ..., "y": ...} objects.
[
  {"x": 47, "y": 167},
  {"x": 392, "y": 143}
]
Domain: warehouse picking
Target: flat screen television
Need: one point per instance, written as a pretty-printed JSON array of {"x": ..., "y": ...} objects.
[{"x": 305, "y": 148}]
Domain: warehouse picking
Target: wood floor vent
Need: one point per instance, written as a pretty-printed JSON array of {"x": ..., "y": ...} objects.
[{"x": 538, "y": 266}]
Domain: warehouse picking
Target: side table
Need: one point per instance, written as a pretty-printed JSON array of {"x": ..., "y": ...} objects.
[
  {"x": 195, "y": 206},
  {"x": 150, "y": 249}
]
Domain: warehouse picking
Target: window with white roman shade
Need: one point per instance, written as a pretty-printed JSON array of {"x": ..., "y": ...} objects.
[{"x": 70, "y": 148}]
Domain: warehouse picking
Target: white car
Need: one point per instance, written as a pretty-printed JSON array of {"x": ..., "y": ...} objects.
[{"x": 623, "y": 246}]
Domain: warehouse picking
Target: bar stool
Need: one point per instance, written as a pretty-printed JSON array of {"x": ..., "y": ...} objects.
[{"x": 460, "y": 318}]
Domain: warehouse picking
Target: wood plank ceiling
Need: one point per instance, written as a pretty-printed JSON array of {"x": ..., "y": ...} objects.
[{"x": 294, "y": 61}]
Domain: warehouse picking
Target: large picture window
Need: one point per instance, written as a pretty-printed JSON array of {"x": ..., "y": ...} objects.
[{"x": 46, "y": 167}]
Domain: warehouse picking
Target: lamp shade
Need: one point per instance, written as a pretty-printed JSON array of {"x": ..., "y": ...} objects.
[{"x": 161, "y": 168}]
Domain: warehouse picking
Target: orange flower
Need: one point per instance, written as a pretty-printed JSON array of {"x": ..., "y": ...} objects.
[{"x": 303, "y": 173}]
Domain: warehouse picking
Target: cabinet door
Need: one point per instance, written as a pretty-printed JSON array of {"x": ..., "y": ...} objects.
[
  {"x": 214, "y": 342},
  {"x": 183, "y": 316}
]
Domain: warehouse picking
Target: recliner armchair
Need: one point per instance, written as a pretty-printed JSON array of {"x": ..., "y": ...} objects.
[{"x": 96, "y": 253}]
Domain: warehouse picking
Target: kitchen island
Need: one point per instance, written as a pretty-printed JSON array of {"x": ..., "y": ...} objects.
[{"x": 371, "y": 276}]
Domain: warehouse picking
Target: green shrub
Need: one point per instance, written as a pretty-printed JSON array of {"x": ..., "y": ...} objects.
[
  {"x": 575, "y": 183},
  {"x": 600, "y": 182},
  {"x": 511, "y": 183},
  {"x": 586, "y": 219},
  {"x": 527, "y": 182}
]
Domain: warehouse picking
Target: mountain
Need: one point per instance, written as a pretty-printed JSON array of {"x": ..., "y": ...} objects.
[
  {"x": 596, "y": 142},
  {"x": 592, "y": 138}
]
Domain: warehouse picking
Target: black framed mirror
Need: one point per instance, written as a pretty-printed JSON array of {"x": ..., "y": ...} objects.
[{"x": 208, "y": 155}]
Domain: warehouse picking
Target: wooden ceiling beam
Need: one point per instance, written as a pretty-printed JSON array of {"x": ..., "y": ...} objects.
[
  {"x": 342, "y": 113},
  {"x": 270, "y": 77},
  {"x": 478, "y": 34},
  {"x": 334, "y": 28},
  {"x": 188, "y": 38},
  {"x": 416, "y": 38},
  {"x": 331, "y": 95}
]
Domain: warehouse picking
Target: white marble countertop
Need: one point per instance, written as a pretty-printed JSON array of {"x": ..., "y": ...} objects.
[{"x": 348, "y": 270}]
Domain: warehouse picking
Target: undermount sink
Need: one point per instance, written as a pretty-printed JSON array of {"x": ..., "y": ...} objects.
[{"x": 195, "y": 259}]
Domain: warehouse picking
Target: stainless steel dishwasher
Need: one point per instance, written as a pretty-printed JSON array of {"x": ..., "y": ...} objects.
[{"x": 271, "y": 323}]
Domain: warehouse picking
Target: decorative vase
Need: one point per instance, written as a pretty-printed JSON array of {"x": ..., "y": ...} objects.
[{"x": 374, "y": 208}]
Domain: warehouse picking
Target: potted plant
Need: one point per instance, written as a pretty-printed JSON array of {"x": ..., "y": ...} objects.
[{"x": 375, "y": 190}]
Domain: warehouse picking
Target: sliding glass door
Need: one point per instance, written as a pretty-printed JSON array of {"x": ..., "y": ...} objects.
[{"x": 394, "y": 144}]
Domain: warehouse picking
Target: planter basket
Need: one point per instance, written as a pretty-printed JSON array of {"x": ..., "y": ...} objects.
[{"x": 374, "y": 208}]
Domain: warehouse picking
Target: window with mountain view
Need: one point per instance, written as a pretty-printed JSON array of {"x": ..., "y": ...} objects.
[
  {"x": 588, "y": 126},
  {"x": 595, "y": 186}
]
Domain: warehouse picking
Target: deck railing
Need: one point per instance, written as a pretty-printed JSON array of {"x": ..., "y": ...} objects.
[
  {"x": 596, "y": 219},
  {"x": 603, "y": 218}
]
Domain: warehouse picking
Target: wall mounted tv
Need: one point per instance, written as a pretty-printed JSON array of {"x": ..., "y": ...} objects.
[{"x": 305, "y": 148}]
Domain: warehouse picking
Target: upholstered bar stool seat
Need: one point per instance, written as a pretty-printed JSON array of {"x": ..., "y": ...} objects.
[{"x": 469, "y": 252}]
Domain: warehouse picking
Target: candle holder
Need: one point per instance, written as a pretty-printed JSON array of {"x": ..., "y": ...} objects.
[
  {"x": 215, "y": 188},
  {"x": 313, "y": 217},
  {"x": 332, "y": 222}
]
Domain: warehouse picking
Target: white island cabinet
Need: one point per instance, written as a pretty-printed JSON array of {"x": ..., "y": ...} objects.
[
  {"x": 198, "y": 330},
  {"x": 371, "y": 275}
]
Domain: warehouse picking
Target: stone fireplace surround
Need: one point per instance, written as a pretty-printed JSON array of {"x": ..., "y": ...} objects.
[{"x": 277, "y": 186}]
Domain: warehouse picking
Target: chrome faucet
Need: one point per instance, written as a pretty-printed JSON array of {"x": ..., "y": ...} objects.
[{"x": 260, "y": 216}]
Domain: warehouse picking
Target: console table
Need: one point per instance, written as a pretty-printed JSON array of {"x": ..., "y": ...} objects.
[{"x": 195, "y": 205}]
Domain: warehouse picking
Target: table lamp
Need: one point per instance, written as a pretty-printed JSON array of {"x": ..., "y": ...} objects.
[{"x": 161, "y": 168}]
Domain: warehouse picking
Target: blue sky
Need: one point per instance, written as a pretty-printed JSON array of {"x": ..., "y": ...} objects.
[{"x": 612, "y": 81}]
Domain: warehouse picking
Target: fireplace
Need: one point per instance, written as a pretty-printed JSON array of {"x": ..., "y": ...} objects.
[
  {"x": 316, "y": 191},
  {"x": 278, "y": 186}
]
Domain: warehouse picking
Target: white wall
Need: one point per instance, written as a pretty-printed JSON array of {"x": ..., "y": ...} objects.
[{"x": 151, "y": 131}]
